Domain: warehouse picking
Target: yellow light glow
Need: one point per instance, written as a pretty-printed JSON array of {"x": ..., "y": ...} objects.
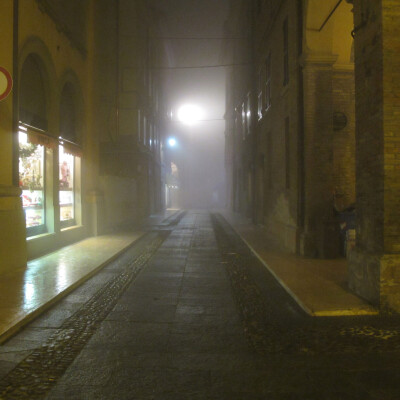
[
  {"x": 29, "y": 295},
  {"x": 62, "y": 276},
  {"x": 189, "y": 114}
]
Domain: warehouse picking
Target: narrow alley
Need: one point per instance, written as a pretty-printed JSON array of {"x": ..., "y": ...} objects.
[
  {"x": 199, "y": 200},
  {"x": 189, "y": 312}
]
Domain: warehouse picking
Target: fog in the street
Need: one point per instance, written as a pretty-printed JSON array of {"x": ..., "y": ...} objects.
[{"x": 193, "y": 33}]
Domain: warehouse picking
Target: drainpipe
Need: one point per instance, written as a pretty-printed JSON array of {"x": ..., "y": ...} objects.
[
  {"x": 300, "y": 143},
  {"x": 15, "y": 98}
]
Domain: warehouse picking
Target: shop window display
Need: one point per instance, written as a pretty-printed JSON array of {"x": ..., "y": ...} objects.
[
  {"x": 31, "y": 180},
  {"x": 66, "y": 180}
]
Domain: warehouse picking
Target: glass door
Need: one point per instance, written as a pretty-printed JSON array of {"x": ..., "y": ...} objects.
[
  {"x": 66, "y": 187},
  {"x": 32, "y": 183}
]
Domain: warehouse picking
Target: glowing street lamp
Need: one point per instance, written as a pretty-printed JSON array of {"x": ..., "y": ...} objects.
[
  {"x": 189, "y": 114},
  {"x": 172, "y": 142}
]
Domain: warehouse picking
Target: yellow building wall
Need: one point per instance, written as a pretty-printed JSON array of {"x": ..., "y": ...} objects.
[
  {"x": 39, "y": 34},
  {"x": 62, "y": 57},
  {"x": 12, "y": 223},
  {"x": 34, "y": 22},
  {"x": 59, "y": 57},
  {"x": 6, "y": 61}
]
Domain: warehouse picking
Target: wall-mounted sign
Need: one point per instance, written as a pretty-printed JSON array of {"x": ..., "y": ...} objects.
[{"x": 5, "y": 83}]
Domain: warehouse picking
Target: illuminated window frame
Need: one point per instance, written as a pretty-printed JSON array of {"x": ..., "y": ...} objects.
[
  {"x": 144, "y": 130},
  {"x": 285, "y": 52},
  {"x": 28, "y": 191},
  {"x": 269, "y": 160},
  {"x": 260, "y": 95},
  {"x": 71, "y": 150},
  {"x": 287, "y": 153},
  {"x": 248, "y": 114},
  {"x": 238, "y": 124},
  {"x": 40, "y": 137},
  {"x": 243, "y": 111},
  {"x": 267, "y": 96}
]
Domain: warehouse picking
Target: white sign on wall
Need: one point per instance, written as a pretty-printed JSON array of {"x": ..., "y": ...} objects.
[{"x": 5, "y": 83}]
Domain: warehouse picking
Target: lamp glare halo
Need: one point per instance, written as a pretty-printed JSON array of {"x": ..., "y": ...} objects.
[
  {"x": 190, "y": 114},
  {"x": 172, "y": 142}
]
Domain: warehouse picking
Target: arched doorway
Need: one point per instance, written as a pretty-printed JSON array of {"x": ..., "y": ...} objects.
[{"x": 33, "y": 142}]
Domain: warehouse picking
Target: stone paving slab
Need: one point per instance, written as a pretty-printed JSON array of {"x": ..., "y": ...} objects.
[
  {"x": 34, "y": 374},
  {"x": 25, "y": 294}
]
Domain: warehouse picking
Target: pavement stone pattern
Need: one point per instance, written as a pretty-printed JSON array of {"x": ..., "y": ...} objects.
[
  {"x": 35, "y": 375},
  {"x": 268, "y": 315},
  {"x": 205, "y": 320}
]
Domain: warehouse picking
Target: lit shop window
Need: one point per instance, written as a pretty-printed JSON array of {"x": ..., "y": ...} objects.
[
  {"x": 31, "y": 181},
  {"x": 67, "y": 186}
]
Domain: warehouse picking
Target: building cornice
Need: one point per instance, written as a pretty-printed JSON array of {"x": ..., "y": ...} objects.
[
  {"x": 317, "y": 59},
  {"x": 46, "y": 7},
  {"x": 344, "y": 67}
]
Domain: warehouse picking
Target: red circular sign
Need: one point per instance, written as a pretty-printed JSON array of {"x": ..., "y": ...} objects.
[{"x": 6, "y": 83}]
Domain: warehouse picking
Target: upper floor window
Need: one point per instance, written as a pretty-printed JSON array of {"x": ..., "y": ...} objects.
[
  {"x": 248, "y": 114},
  {"x": 267, "y": 99},
  {"x": 238, "y": 120},
  {"x": 144, "y": 130},
  {"x": 259, "y": 6},
  {"x": 260, "y": 95},
  {"x": 287, "y": 153},
  {"x": 285, "y": 52},
  {"x": 269, "y": 159},
  {"x": 243, "y": 110},
  {"x": 69, "y": 154}
]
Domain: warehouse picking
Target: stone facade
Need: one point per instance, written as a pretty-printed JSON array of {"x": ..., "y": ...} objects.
[
  {"x": 339, "y": 103},
  {"x": 130, "y": 104},
  {"x": 344, "y": 166},
  {"x": 302, "y": 170}
]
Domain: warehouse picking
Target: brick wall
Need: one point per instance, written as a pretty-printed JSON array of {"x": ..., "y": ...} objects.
[
  {"x": 281, "y": 203},
  {"x": 391, "y": 110},
  {"x": 344, "y": 140},
  {"x": 321, "y": 235},
  {"x": 374, "y": 267},
  {"x": 369, "y": 115}
]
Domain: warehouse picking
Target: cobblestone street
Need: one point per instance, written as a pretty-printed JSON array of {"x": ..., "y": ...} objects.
[{"x": 190, "y": 313}]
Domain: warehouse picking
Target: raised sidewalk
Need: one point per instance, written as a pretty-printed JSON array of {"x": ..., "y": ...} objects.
[
  {"x": 27, "y": 292},
  {"x": 319, "y": 286}
]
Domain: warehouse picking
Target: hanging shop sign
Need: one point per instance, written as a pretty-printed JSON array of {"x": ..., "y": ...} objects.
[{"x": 6, "y": 83}]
